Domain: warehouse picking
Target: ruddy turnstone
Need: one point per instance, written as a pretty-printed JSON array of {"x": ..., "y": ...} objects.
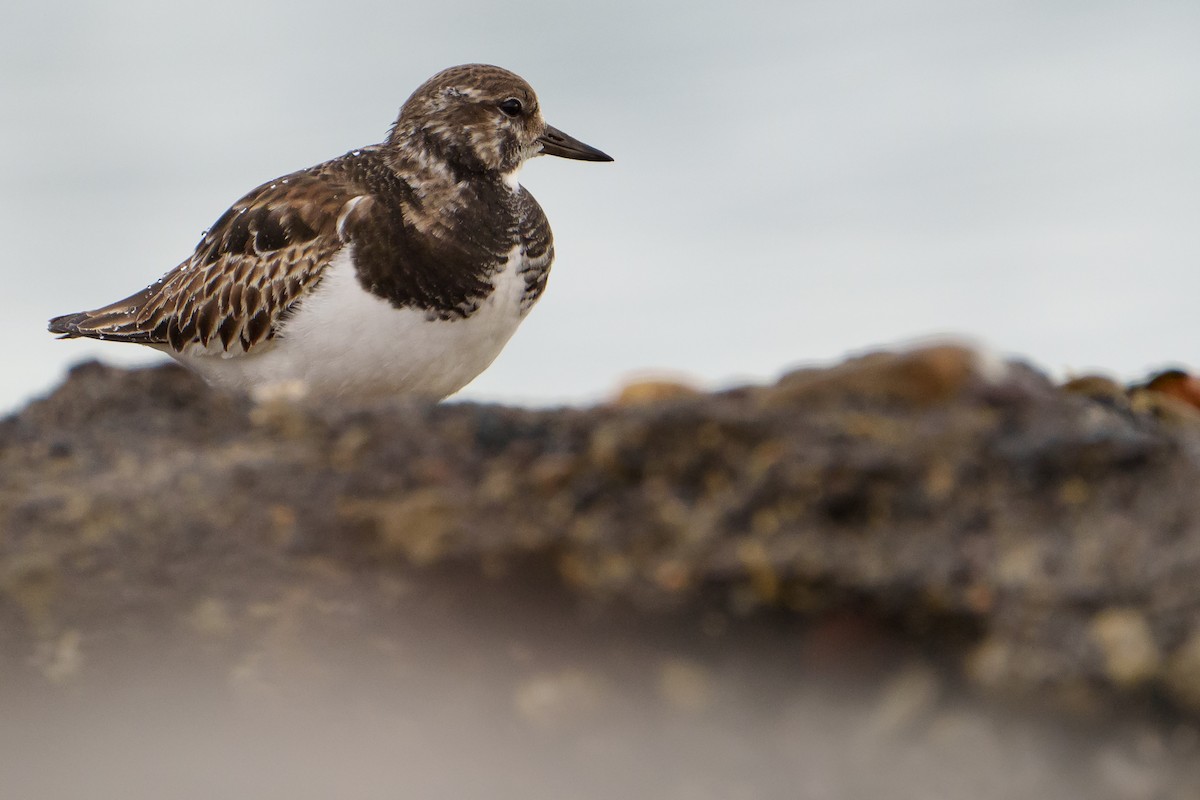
[{"x": 399, "y": 268}]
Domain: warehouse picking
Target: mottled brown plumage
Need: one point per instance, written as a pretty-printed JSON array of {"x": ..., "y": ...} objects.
[
  {"x": 246, "y": 272},
  {"x": 430, "y": 216}
]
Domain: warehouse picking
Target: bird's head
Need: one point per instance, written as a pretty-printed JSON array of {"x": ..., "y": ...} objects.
[{"x": 477, "y": 118}]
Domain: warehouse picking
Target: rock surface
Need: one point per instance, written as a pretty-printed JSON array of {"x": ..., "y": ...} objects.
[{"x": 909, "y": 575}]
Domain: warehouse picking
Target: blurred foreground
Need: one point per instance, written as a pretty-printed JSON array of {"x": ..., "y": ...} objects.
[{"x": 897, "y": 578}]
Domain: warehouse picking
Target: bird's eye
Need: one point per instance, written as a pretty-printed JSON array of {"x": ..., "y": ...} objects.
[{"x": 511, "y": 107}]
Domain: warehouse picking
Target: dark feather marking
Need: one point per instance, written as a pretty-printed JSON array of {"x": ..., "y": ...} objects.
[
  {"x": 228, "y": 332},
  {"x": 298, "y": 231},
  {"x": 270, "y": 235},
  {"x": 206, "y": 321},
  {"x": 251, "y": 298},
  {"x": 241, "y": 269},
  {"x": 268, "y": 251},
  {"x": 175, "y": 337},
  {"x": 235, "y": 298},
  {"x": 257, "y": 328},
  {"x": 449, "y": 269},
  {"x": 159, "y": 331},
  {"x": 237, "y": 237}
]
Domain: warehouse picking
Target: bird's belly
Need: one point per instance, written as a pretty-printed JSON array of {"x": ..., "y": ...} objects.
[{"x": 344, "y": 341}]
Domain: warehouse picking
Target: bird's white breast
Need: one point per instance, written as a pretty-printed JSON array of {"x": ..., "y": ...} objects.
[{"x": 343, "y": 340}]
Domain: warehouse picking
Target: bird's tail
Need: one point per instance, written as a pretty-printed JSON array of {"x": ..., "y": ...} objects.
[{"x": 118, "y": 321}]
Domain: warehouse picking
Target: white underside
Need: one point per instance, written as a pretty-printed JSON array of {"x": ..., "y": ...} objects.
[{"x": 344, "y": 341}]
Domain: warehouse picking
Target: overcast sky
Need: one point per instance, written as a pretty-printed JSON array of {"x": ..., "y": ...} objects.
[{"x": 794, "y": 181}]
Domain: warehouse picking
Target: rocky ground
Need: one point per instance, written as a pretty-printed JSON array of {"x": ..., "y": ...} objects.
[{"x": 908, "y": 576}]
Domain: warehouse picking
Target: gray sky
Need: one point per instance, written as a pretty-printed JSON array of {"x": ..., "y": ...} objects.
[{"x": 794, "y": 180}]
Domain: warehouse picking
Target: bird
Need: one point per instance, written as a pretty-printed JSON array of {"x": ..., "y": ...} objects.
[{"x": 400, "y": 268}]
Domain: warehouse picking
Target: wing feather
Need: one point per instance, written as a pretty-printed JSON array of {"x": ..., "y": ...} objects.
[{"x": 248, "y": 272}]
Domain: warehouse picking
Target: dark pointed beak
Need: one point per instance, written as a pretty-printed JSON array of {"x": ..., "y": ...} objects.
[{"x": 556, "y": 143}]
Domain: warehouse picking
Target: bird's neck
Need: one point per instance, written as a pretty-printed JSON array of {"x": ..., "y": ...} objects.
[
  {"x": 425, "y": 159},
  {"x": 446, "y": 189}
]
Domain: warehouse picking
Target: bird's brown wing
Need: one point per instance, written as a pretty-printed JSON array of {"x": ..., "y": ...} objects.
[{"x": 249, "y": 270}]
